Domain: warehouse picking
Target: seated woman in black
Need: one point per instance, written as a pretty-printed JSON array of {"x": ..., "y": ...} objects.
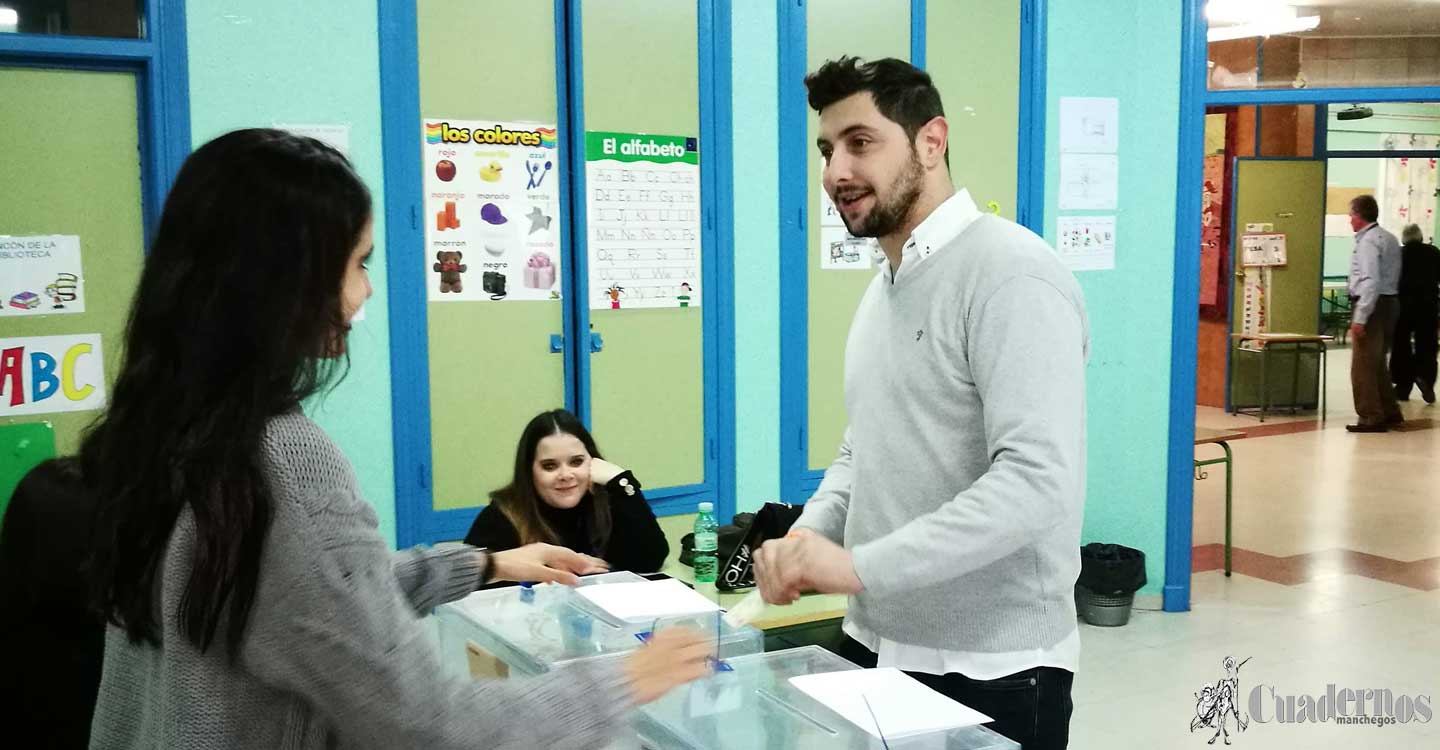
[
  {"x": 51, "y": 643},
  {"x": 564, "y": 493}
]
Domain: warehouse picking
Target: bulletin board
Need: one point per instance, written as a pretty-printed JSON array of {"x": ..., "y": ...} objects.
[{"x": 46, "y": 168}]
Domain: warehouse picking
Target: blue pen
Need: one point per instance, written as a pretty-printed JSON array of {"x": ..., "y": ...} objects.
[{"x": 527, "y": 592}]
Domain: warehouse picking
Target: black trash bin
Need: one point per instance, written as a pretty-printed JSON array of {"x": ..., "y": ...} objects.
[{"x": 1110, "y": 574}]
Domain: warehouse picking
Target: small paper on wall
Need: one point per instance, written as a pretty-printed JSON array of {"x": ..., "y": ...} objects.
[
  {"x": 1338, "y": 225},
  {"x": 337, "y": 136},
  {"x": 41, "y": 275},
  {"x": 1089, "y": 125},
  {"x": 842, "y": 251},
  {"x": 50, "y": 375},
  {"x": 1262, "y": 249},
  {"x": 829, "y": 214},
  {"x": 1089, "y": 181},
  {"x": 1086, "y": 243}
]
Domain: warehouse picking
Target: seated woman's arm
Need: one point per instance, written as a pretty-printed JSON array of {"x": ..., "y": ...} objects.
[{"x": 637, "y": 543}]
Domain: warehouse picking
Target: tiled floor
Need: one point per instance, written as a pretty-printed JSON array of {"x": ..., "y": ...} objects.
[{"x": 1337, "y": 582}]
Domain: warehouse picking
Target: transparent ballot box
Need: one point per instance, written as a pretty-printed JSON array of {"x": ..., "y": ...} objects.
[
  {"x": 753, "y": 706},
  {"x": 499, "y": 632}
]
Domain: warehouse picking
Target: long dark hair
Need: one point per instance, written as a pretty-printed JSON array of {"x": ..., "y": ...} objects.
[
  {"x": 238, "y": 318},
  {"x": 521, "y": 502}
]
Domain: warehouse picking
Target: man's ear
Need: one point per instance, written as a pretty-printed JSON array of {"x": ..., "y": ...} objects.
[{"x": 931, "y": 141}]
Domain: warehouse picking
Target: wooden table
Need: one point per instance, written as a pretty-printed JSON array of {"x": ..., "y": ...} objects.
[
  {"x": 1222, "y": 438},
  {"x": 1298, "y": 343}
]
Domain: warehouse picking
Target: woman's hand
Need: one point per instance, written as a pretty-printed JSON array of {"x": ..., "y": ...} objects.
[
  {"x": 602, "y": 472},
  {"x": 672, "y": 658},
  {"x": 544, "y": 563}
]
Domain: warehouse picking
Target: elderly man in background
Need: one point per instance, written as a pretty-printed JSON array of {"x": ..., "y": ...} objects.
[
  {"x": 1412, "y": 361},
  {"x": 1375, "y": 306}
]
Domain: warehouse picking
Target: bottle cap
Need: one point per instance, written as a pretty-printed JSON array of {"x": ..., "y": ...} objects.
[{"x": 707, "y": 507}]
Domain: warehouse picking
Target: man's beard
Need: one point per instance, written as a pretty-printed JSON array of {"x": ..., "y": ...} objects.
[{"x": 890, "y": 215}]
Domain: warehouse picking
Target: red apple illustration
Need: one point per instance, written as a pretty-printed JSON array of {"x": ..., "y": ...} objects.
[{"x": 445, "y": 170}]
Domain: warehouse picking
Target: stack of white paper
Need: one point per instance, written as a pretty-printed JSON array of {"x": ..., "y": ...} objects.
[
  {"x": 647, "y": 600},
  {"x": 902, "y": 705}
]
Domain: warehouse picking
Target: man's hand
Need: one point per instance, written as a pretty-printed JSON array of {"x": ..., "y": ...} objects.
[
  {"x": 1357, "y": 331},
  {"x": 544, "y": 563},
  {"x": 804, "y": 561}
]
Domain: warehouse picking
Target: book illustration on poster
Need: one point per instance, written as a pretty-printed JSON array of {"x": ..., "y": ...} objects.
[
  {"x": 492, "y": 199},
  {"x": 643, "y": 221}
]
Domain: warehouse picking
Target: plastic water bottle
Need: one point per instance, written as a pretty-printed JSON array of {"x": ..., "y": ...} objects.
[{"x": 707, "y": 562}]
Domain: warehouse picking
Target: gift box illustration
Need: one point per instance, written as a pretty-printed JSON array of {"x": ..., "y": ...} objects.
[{"x": 539, "y": 272}]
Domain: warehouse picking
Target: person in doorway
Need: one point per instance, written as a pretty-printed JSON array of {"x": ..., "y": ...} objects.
[
  {"x": 51, "y": 640},
  {"x": 251, "y": 599},
  {"x": 1412, "y": 360},
  {"x": 564, "y": 493},
  {"x": 952, "y": 514},
  {"x": 1374, "y": 283}
]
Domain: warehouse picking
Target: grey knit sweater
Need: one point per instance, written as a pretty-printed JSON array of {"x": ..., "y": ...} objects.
[
  {"x": 960, "y": 485},
  {"x": 335, "y": 654}
]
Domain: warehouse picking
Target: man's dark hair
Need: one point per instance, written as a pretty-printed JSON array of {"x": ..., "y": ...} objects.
[
  {"x": 1366, "y": 207},
  {"x": 903, "y": 93}
]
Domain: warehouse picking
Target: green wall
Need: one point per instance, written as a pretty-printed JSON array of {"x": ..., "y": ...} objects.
[
  {"x": 1130, "y": 306},
  {"x": 269, "y": 61}
]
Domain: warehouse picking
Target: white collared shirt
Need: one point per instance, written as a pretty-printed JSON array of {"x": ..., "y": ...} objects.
[{"x": 943, "y": 225}]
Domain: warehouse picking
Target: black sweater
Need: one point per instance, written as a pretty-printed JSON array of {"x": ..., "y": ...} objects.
[
  {"x": 52, "y": 646},
  {"x": 636, "y": 542}
]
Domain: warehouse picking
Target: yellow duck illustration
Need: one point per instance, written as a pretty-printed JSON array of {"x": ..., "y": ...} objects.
[{"x": 491, "y": 173}]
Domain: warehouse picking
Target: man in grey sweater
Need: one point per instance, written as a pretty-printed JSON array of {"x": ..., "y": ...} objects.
[{"x": 952, "y": 514}]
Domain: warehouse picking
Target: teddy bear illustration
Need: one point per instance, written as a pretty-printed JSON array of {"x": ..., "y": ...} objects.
[{"x": 449, "y": 267}]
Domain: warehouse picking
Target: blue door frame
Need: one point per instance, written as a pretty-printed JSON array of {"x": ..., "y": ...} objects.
[
  {"x": 161, "y": 68},
  {"x": 797, "y": 480},
  {"x": 1195, "y": 96},
  {"x": 416, "y": 520}
]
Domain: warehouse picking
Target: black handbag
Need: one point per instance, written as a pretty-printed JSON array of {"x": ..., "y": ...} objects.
[{"x": 773, "y": 521}]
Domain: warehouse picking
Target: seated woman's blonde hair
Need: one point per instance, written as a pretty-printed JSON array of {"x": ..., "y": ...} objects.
[{"x": 1412, "y": 233}]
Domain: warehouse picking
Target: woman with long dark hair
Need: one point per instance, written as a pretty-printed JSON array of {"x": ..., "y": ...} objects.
[
  {"x": 252, "y": 601},
  {"x": 564, "y": 493}
]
